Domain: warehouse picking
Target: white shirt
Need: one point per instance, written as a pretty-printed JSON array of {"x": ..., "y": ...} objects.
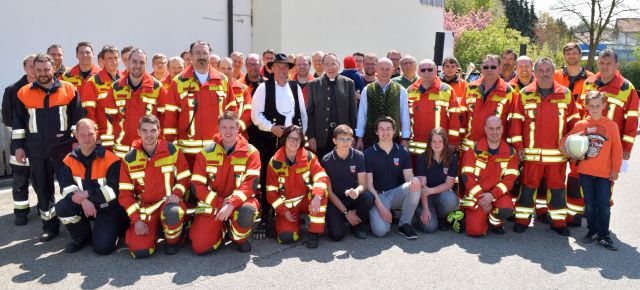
[
  {"x": 405, "y": 124},
  {"x": 202, "y": 77},
  {"x": 285, "y": 105}
]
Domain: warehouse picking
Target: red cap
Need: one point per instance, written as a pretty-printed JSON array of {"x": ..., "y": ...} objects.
[{"x": 349, "y": 62}]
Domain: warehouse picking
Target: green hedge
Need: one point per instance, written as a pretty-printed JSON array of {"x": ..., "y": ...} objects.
[{"x": 631, "y": 71}]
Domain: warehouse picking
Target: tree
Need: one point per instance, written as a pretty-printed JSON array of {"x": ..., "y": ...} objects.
[
  {"x": 521, "y": 16},
  {"x": 595, "y": 16},
  {"x": 552, "y": 32},
  {"x": 463, "y": 7},
  {"x": 474, "y": 45},
  {"x": 475, "y": 19}
]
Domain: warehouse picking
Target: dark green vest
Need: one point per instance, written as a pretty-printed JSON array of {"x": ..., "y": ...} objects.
[{"x": 381, "y": 104}]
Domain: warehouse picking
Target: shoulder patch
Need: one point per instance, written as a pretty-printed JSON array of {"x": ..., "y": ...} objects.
[
  {"x": 276, "y": 164},
  {"x": 156, "y": 83},
  {"x": 209, "y": 148},
  {"x": 309, "y": 156},
  {"x": 130, "y": 156},
  {"x": 172, "y": 148},
  {"x": 625, "y": 85}
]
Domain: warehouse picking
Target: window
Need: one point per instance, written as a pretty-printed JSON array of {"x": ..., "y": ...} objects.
[{"x": 435, "y": 3}]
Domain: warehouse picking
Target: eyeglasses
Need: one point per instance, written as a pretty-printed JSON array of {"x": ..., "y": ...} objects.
[
  {"x": 427, "y": 69},
  {"x": 345, "y": 140},
  {"x": 293, "y": 139},
  {"x": 489, "y": 67}
]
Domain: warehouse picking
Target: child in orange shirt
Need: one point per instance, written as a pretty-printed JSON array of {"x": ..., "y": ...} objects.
[{"x": 599, "y": 168}]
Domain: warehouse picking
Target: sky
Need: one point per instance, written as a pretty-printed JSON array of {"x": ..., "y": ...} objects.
[{"x": 546, "y": 5}]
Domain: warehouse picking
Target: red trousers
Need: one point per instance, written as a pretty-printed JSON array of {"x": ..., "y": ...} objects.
[
  {"x": 477, "y": 221},
  {"x": 554, "y": 175},
  {"x": 317, "y": 220},
  {"x": 206, "y": 233},
  {"x": 144, "y": 245}
]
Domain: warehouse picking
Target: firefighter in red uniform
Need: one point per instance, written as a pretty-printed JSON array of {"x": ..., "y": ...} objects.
[
  {"x": 432, "y": 103},
  {"x": 240, "y": 92},
  {"x": 451, "y": 77},
  {"x": 89, "y": 181},
  {"x": 543, "y": 114},
  {"x": 226, "y": 178},
  {"x": 196, "y": 96},
  {"x": 134, "y": 95},
  {"x": 572, "y": 76},
  {"x": 489, "y": 171},
  {"x": 296, "y": 184},
  {"x": 79, "y": 74},
  {"x": 95, "y": 90},
  {"x": 43, "y": 120},
  {"x": 488, "y": 95},
  {"x": 153, "y": 179}
]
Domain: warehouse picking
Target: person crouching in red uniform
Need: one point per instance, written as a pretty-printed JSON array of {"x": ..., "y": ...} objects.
[
  {"x": 489, "y": 171},
  {"x": 296, "y": 184},
  {"x": 226, "y": 176},
  {"x": 153, "y": 179}
]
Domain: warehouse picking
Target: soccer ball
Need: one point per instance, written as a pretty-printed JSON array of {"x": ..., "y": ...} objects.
[{"x": 577, "y": 146}]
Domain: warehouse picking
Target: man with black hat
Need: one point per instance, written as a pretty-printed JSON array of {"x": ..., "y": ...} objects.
[{"x": 277, "y": 103}]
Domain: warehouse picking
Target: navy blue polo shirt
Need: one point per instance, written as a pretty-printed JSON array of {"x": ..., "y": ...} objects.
[
  {"x": 343, "y": 173},
  {"x": 387, "y": 168},
  {"x": 436, "y": 174}
]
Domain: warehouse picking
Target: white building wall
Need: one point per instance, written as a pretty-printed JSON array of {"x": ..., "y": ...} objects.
[
  {"x": 30, "y": 26},
  {"x": 346, "y": 26}
]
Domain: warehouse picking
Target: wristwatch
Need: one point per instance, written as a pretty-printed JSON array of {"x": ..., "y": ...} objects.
[{"x": 346, "y": 212}]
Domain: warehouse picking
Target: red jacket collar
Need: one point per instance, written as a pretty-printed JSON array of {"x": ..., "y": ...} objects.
[
  {"x": 500, "y": 89},
  {"x": 483, "y": 146},
  {"x": 105, "y": 76},
  {"x": 75, "y": 71},
  {"x": 611, "y": 87},
  {"x": 558, "y": 89},
  {"x": 242, "y": 145},
  {"x": 145, "y": 86},
  {"x": 301, "y": 156},
  {"x": 435, "y": 87},
  {"x": 161, "y": 148}
]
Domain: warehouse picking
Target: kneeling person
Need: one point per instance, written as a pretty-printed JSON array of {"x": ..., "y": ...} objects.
[
  {"x": 89, "y": 182},
  {"x": 489, "y": 170},
  {"x": 296, "y": 185},
  {"x": 349, "y": 201},
  {"x": 153, "y": 179},
  {"x": 226, "y": 176}
]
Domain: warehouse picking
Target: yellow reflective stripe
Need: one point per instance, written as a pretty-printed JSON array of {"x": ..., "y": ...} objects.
[
  {"x": 502, "y": 187},
  {"x": 212, "y": 194},
  {"x": 454, "y": 133},
  {"x": 70, "y": 220},
  {"x": 20, "y": 204},
  {"x": 239, "y": 236},
  {"x": 126, "y": 186},
  {"x": 276, "y": 203},
  {"x": 136, "y": 174},
  {"x": 194, "y": 143},
  {"x": 104, "y": 137},
  {"x": 239, "y": 194},
  {"x": 183, "y": 174},
  {"x": 199, "y": 178},
  {"x": 516, "y": 139},
  {"x": 171, "y": 108},
  {"x": 629, "y": 139},
  {"x": 553, "y": 159},
  {"x": 170, "y": 131},
  {"x": 475, "y": 190},
  {"x": 108, "y": 193},
  {"x": 320, "y": 185},
  {"x": 133, "y": 208},
  {"x": 180, "y": 187},
  {"x": 168, "y": 169},
  {"x": 616, "y": 102},
  {"x": 467, "y": 169},
  {"x": 88, "y": 104},
  {"x": 517, "y": 116},
  {"x": 316, "y": 220},
  {"x": 494, "y": 221},
  {"x": 319, "y": 175},
  {"x": 239, "y": 168},
  {"x": 110, "y": 111},
  {"x": 631, "y": 114},
  {"x": 272, "y": 188},
  {"x": 252, "y": 172},
  {"x": 512, "y": 172},
  {"x": 191, "y": 150}
]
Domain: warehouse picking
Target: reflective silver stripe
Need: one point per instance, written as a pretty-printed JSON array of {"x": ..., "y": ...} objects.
[
  {"x": 20, "y": 204},
  {"x": 70, "y": 220},
  {"x": 70, "y": 189},
  {"x": 78, "y": 181},
  {"x": 63, "y": 118},
  {"x": 108, "y": 193},
  {"x": 48, "y": 215},
  {"x": 14, "y": 161},
  {"x": 18, "y": 134},
  {"x": 33, "y": 125}
]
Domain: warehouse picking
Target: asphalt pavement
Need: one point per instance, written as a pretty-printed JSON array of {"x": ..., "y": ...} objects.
[{"x": 538, "y": 259}]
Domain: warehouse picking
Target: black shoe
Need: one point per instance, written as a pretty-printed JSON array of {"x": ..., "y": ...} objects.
[
  {"x": 244, "y": 247},
  {"x": 498, "y": 230},
  {"x": 443, "y": 225},
  {"x": 563, "y": 231},
  {"x": 48, "y": 236},
  {"x": 21, "y": 220},
  {"x": 519, "y": 228},
  {"x": 607, "y": 243},
  {"x": 544, "y": 218},
  {"x": 590, "y": 237},
  {"x": 358, "y": 232},
  {"x": 75, "y": 246},
  {"x": 511, "y": 218},
  {"x": 407, "y": 231},
  {"x": 171, "y": 249},
  {"x": 312, "y": 242}
]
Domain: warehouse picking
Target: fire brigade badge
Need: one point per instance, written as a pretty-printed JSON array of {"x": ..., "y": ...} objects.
[
  {"x": 396, "y": 161},
  {"x": 352, "y": 168}
]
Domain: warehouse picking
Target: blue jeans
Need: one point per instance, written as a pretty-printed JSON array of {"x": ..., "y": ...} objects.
[
  {"x": 597, "y": 194},
  {"x": 400, "y": 197},
  {"x": 439, "y": 206}
]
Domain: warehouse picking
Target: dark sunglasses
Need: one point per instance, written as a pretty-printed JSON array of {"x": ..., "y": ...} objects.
[
  {"x": 426, "y": 69},
  {"x": 489, "y": 67}
]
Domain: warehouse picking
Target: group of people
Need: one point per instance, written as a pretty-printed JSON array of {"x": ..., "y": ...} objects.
[{"x": 199, "y": 150}]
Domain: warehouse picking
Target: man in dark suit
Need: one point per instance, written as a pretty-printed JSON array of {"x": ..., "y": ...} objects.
[{"x": 331, "y": 101}]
